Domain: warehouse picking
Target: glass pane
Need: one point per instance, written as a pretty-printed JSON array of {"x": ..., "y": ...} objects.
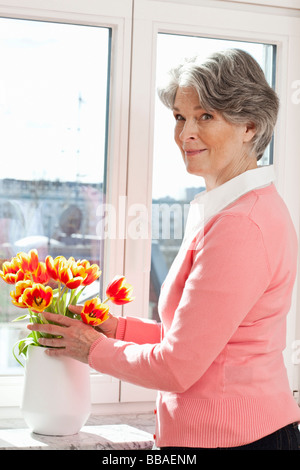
[
  {"x": 173, "y": 188},
  {"x": 53, "y": 111}
]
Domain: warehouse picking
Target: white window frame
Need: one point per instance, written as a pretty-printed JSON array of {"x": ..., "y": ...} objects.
[
  {"x": 117, "y": 15},
  {"x": 291, "y": 4},
  {"x": 216, "y": 20}
]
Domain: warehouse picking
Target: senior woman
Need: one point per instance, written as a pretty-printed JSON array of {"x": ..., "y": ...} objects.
[{"x": 216, "y": 358}]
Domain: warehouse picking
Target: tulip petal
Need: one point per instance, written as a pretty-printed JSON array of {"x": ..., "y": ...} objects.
[
  {"x": 94, "y": 312},
  {"x": 16, "y": 296},
  {"x": 28, "y": 261},
  {"x": 11, "y": 272},
  {"x": 119, "y": 292},
  {"x": 40, "y": 275},
  {"x": 38, "y": 297}
]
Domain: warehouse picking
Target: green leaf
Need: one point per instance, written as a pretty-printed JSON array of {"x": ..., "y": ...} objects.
[
  {"x": 78, "y": 294},
  {"x": 22, "y": 317},
  {"x": 22, "y": 345},
  {"x": 64, "y": 302}
]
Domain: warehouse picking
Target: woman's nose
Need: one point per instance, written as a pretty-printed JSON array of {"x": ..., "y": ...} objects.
[{"x": 190, "y": 131}]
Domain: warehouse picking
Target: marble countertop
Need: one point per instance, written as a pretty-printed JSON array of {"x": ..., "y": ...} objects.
[{"x": 117, "y": 432}]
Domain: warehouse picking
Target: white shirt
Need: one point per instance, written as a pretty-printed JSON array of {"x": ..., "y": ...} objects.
[{"x": 208, "y": 203}]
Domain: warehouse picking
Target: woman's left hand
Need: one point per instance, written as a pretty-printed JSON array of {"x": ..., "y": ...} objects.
[{"x": 76, "y": 337}]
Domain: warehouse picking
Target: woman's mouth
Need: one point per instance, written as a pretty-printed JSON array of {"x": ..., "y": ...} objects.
[{"x": 191, "y": 153}]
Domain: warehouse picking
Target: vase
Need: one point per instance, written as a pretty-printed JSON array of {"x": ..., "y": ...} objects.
[{"x": 56, "y": 395}]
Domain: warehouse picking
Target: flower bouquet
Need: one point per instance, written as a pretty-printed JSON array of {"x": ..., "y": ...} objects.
[{"x": 52, "y": 286}]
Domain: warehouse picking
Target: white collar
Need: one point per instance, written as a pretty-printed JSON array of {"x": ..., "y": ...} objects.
[{"x": 208, "y": 203}]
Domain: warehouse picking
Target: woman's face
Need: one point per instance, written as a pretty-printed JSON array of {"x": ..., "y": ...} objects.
[{"x": 210, "y": 146}]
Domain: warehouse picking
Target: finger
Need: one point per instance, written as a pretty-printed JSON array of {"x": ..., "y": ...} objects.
[
  {"x": 47, "y": 328},
  {"x": 75, "y": 308},
  {"x": 57, "y": 352},
  {"x": 59, "y": 319},
  {"x": 52, "y": 342}
]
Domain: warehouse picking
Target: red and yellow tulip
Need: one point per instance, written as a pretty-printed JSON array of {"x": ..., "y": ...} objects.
[
  {"x": 52, "y": 266},
  {"x": 66, "y": 271},
  {"x": 71, "y": 275},
  {"x": 31, "y": 295},
  {"x": 38, "y": 297},
  {"x": 28, "y": 262},
  {"x": 119, "y": 292},
  {"x": 40, "y": 275},
  {"x": 94, "y": 312},
  {"x": 11, "y": 272},
  {"x": 92, "y": 272},
  {"x": 16, "y": 296}
]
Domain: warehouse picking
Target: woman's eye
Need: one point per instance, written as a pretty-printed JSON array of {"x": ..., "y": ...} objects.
[
  {"x": 206, "y": 117},
  {"x": 178, "y": 117}
]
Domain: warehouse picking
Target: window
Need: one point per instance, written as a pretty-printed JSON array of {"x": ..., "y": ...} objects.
[
  {"x": 178, "y": 22},
  {"x": 173, "y": 187},
  {"x": 64, "y": 143},
  {"x": 54, "y": 125}
]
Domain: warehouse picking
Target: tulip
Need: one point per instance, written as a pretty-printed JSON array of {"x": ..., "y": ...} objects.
[
  {"x": 71, "y": 274},
  {"x": 40, "y": 275},
  {"x": 92, "y": 272},
  {"x": 94, "y": 312},
  {"x": 28, "y": 262},
  {"x": 119, "y": 292},
  {"x": 37, "y": 297},
  {"x": 21, "y": 286},
  {"x": 11, "y": 272},
  {"x": 68, "y": 272},
  {"x": 53, "y": 265}
]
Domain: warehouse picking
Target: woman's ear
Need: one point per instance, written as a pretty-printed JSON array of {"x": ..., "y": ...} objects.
[{"x": 250, "y": 131}]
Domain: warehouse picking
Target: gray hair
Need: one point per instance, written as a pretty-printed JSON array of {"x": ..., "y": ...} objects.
[{"x": 230, "y": 82}]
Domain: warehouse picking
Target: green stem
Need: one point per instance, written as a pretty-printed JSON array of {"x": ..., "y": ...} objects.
[
  {"x": 61, "y": 292},
  {"x": 14, "y": 354},
  {"x": 73, "y": 293},
  {"x": 36, "y": 335},
  {"x": 58, "y": 297},
  {"x": 43, "y": 319}
]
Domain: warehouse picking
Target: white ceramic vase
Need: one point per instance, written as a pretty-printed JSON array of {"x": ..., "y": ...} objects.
[{"x": 56, "y": 395}]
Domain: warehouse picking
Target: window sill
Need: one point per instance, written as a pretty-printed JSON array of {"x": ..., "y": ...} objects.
[{"x": 121, "y": 432}]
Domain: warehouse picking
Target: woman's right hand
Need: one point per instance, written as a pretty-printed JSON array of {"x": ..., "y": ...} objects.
[{"x": 108, "y": 327}]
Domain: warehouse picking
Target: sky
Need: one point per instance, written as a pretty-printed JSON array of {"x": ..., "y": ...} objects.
[{"x": 47, "y": 70}]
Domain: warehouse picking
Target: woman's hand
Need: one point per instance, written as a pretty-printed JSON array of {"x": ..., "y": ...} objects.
[
  {"x": 108, "y": 327},
  {"x": 76, "y": 338}
]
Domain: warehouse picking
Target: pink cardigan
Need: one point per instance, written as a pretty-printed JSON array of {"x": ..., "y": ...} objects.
[{"x": 217, "y": 360}]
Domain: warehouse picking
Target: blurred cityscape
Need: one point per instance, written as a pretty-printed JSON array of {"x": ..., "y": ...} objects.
[{"x": 54, "y": 217}]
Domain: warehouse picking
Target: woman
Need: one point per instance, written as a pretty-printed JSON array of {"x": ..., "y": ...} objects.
[{"x": 217, "y": 357}]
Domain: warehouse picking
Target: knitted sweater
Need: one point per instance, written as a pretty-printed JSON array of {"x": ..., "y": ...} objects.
[{"x": 216, "y": 358}]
